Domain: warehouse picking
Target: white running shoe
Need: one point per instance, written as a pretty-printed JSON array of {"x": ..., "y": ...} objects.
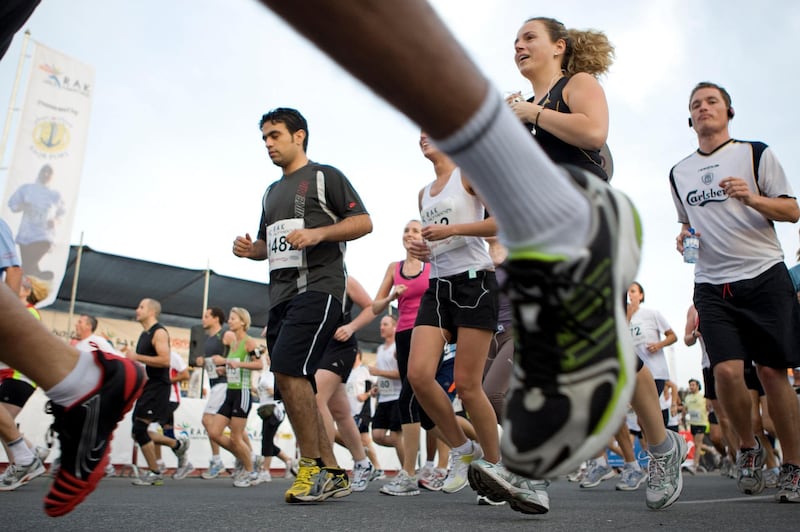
[
  {"x": 18, "y": 475},
  {"x": 497, "y": 483},
  {"x": 457, "y": 477},
  {"x": 665, "y": 482},
  {"x": 361, "y": 477},
  {"x": 631, "y": 479}
]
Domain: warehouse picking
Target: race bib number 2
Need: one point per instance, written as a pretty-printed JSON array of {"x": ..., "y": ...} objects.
[
  {"x": 279, "y": 252},
  {"x": 444, "y": 213}
]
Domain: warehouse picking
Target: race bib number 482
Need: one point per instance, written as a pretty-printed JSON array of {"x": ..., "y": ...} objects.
[{"x": 279, "y": 252}]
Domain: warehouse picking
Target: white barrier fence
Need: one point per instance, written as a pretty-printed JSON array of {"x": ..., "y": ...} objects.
[{"x": 34, "y": 424}]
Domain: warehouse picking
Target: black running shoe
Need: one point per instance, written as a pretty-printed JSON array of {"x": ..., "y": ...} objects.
[
  {"x": 85, "y": 431},
  {"x": 574, "y": 371}
]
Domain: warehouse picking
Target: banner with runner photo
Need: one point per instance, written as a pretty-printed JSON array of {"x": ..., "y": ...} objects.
[{"x": 46, "y": 164}]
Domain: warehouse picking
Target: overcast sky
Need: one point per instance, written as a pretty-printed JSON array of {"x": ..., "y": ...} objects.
[{"x": 175, "y": 166}]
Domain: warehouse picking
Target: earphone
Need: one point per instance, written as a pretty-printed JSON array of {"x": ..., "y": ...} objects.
[{"x": 731, "y": 114}]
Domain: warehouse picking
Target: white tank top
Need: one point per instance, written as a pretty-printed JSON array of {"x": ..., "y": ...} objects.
[{"x": 454, "y": 205}]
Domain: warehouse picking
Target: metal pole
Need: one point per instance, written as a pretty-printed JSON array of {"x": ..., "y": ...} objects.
[
  {"x": 74, "y": 293},
  {"x": 12, "y": 103},
  {"x": 205, "y": 288}
]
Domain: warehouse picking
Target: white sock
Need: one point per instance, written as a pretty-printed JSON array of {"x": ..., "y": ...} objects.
[
  {"x": 82, "y": 380},
  {"x": 601, "y": 461},
  {"x": 21, "y": 452},
  {"x": 363, "y": 463},
  {"x": 429, "y": 464},
  {"x": 465, "y": 448},
  {"x": 633, "y": 465},
  {"x": 536, "y": 205},
  {"x": 216, "y": 459}
]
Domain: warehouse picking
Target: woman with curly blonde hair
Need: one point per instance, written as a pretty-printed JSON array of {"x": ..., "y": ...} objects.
[{"x": 568, "y": 112}]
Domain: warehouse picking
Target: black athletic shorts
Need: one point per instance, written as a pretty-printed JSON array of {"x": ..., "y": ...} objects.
[
  {"x": 299, "y": 331},
  {"x": 339, "y": 357},
  {"x": 15, "y": 392},
  {"x": 468, "y": 299},
  {"x": 153, "y": 405},
  {"x": 752, "y": 320},
  {"x": 237, "y": 404},
  {"x": 387, "y": 417}
]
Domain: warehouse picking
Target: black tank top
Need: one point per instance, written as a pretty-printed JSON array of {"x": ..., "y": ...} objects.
[
  {"x": 558, "y": 150},
  {"x": 145, "y": 347}
]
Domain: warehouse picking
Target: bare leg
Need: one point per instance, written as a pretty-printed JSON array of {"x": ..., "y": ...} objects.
[
  {"x": 301, "y": 407},
  {"x": 471, "y": 352},
  {"x": 735, "y": 400},
  {"x": 645, "y": 403},
  {"x": 334, "y": 406},
  {"x": 426, "y": 345},
  {"x": 36, "y": 352},
  {"x": 207, "y": 420},
  {"x": 783, "y": 407},
  {"x": 369, "y": 448},
  {"x": 410, "y": 447},
  {"x": 625, "y": 444}
]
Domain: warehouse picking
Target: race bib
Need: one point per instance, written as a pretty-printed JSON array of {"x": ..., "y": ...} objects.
[
  {"x": 211, "y": 367},
  {"x": 384, "y": 385},
  {"x": 443, "y": 213},
  {"x": 279, "y": 252},
  {"x": 234, "y": 374},
  {"x": 638, "y": 337}
]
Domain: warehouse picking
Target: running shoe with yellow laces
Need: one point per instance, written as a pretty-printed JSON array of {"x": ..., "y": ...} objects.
[
  {"x": 86, "y": 429},
  {"x": 574, "y": 370},
  {"x": 305, "y": 483}
]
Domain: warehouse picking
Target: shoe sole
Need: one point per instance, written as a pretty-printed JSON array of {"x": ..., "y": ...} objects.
[
  {"x": 626, "y": 255},
  {"x": 399, "y": 494},
  {"x": 494, "y": 488},
  {"x": 74, "y": 490}
]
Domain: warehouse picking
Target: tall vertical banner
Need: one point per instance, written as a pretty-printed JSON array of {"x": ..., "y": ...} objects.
[{"x": 44, "y": 175}]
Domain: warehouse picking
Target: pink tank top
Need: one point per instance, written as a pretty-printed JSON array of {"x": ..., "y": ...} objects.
[{"x": 408, "y": 302}]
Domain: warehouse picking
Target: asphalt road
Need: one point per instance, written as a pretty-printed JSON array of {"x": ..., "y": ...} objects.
[{"x": 709, "y": 502}]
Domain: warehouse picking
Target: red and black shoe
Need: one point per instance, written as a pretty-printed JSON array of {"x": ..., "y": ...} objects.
[{"x": 86, "y": 429}]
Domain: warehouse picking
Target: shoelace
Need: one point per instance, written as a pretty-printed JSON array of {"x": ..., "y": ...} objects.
[
  {"x": 791, "y": 481},
  {"x": 656, "y": 469},
  {"x": 304, "y": 475},
  {"x": 749, "y": 458}
]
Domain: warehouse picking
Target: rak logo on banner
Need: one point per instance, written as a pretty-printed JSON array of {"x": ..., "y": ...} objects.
[
  {"x": 59, "y": 79},
  {"x": 51, "y": 136}
]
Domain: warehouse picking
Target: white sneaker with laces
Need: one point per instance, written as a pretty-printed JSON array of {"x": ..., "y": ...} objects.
[
  {"x": 457, "y": 477},
  {"x": 361, "y": 477},
  {"x": 18, "y": 475},
  {"x": 664, "y": 481},
  {"x": 631, "y": 479},
  {"x": 213, "y": 471},
  {"x": 497, "y": 483},
  {"x": 596, "y": 473}
]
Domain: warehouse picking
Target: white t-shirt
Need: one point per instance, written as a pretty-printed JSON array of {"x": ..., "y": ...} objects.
[
  {"x": 355, "y": 386},
  {"x": 388, "y": 389},
  {"x": 176, "y": 365},
  {"x": 102, "y": 344},
  {"x": 265, "y": 384},
  {"x": 736, "y": 241},
  {"x": 648, "y": 327}
]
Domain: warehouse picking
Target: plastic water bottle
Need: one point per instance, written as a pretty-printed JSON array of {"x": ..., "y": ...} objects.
[{"x": 691, "y": 247}]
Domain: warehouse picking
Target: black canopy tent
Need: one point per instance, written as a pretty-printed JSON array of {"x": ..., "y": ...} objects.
[{"x": 112, "y": 286}]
